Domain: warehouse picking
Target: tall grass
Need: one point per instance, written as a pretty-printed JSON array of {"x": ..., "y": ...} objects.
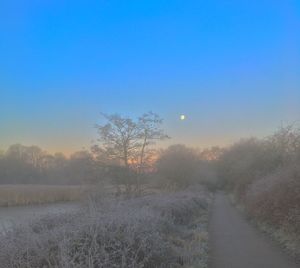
[
  {"x": 158, "y": 230},
  {"x": 15, "y": 195}
]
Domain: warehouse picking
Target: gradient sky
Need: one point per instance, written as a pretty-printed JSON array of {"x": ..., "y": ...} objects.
[{"x": 233, "y": 67}]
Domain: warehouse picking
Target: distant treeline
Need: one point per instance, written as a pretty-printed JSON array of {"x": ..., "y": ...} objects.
[
  {"x": 177, "y": 166},
  {"x": 30, "y": 164},
  {"x": 124, "y": 155}
]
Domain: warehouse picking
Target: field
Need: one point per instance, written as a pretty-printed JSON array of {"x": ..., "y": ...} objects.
[
  {"x": 15, "y": 195},
  {"x": 156, "y": 230}
]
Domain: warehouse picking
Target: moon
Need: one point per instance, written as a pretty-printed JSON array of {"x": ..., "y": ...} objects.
[{"x": 182, "y": 117}]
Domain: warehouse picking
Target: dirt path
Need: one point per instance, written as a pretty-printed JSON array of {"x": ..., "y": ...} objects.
[{"x": 236, "y": 244}]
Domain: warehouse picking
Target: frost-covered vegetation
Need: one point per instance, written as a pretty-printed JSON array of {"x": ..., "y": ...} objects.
[
  {"x": 179, "y": 166},
  {"x": 158, "y": 230},
  {"x": 264, "y": 175}
]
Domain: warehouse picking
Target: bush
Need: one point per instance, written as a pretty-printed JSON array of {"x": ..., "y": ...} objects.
[
  {"x": 275, "y": 199},
  {"x": 178, "y": 165},
  {"x": 265, "y": 176},
  {"x": 130, "y": 233}
]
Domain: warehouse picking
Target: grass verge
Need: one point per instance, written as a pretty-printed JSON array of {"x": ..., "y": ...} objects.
[{"x": 17, "y": 195}]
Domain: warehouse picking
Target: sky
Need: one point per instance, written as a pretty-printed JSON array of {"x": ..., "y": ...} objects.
[{"x": 232, "y": 67}]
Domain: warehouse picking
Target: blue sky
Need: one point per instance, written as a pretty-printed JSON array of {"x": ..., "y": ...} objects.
[{"x": 233, "y": 67}]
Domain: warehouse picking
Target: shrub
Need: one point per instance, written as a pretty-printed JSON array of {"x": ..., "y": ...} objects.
[
  {"x": 178, "y": 165},
  {"x": 275, "y": 199},
  {"x": 131, "y": 233},
  {"x": 265, "y": 176}
]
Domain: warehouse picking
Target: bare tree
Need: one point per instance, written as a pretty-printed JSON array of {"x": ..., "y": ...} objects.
[
  {"x": 150, "y": 131},
  {"x": 149, "y": 125},
  {"x": 119, "y": 138},
  {"x": 127, "y": 141}
]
